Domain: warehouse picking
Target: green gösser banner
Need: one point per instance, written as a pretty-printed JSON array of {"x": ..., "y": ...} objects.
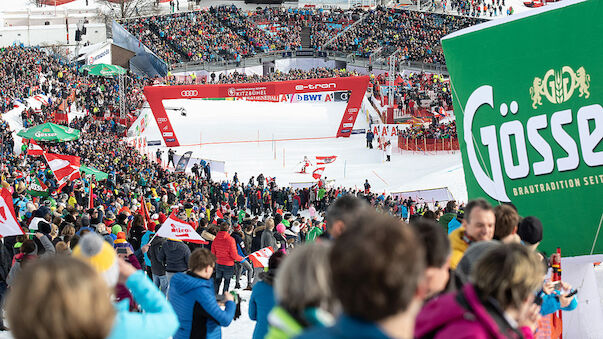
[{"x": 528, "y": 96}]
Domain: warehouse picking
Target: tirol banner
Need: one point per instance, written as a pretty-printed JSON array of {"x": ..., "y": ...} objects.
[
  {"x": 530, "y": 118},
  {"x": 355, "y": 86}
]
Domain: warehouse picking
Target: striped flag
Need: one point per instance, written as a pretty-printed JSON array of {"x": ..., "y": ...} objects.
[
  {"x": 260, "y": 258},
  {"x": 317, "y": 173},
  {"x": 325, "y": 160},
  {"x": 64, "y": 167},
  {"x": 34, "y": 149}
]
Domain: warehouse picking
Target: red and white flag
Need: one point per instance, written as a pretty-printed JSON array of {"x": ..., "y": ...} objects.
[
  {"x": 325, "y": 160},
  {"x": 260, "y": 258},
  {"x": 174, "y": 228},
  {"x": 317, "y": 173},
  {"x": 8, "y": 220},
  {"x": 144, "y": 211},
  {"x": 34, "y": 149},
  {"x": 91, "y": 199},
  {"x": 64, "y": 167}
]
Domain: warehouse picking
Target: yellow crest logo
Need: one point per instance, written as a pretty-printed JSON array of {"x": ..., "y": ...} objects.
[{"x": 559, "y": 86}]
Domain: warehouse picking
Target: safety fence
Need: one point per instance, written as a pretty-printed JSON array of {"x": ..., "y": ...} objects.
[{"x": 428, "y": 144}]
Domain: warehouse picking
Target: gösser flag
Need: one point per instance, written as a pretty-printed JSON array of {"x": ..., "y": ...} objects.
[
  {"x": 260, "y": 258},
  {"x": 528, "y": 91},
  {"x": 325, "y": 160},
  {"x": 175, "y": 228},
  {"x": 8, "y": 221}
]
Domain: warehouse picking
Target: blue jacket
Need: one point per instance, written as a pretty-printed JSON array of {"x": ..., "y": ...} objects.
[
  {"x": 346, "y": 327},
  {"x": 453, "y": 225},
  {"x": 550, "y": 304},
  {"x": 146, "y": 237},
  {"x": 195, "y": 304},
  {"x": 260, "y": 303},
  {"x": 158, "y": 320}
]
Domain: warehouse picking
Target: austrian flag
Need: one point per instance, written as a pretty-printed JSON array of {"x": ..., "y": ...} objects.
[
  {"x": 34, "y": 149},
  {"x": 325, "y": 160},
  {"x": 64, "y": 167},
  {"x": 317, "y": 173},
  {"x": 260, "y": 258}
]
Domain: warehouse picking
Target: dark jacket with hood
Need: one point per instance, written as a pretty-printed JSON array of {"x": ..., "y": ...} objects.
[
  {"x": 157, "y": 267},
  {"x": 195, "y": 304},
  {"x": 174, "y": 255}
]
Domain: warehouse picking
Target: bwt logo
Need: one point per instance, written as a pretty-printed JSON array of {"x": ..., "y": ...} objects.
[
  {"x": 316, "y": 86},
  {"x": 232, "y": 92},
  {"x": 189, "y": 93},
  {"x": 168, "y": 134}
]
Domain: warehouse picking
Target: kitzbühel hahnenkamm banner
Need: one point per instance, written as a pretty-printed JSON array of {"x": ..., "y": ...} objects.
[{"x": 528, "y": 96}]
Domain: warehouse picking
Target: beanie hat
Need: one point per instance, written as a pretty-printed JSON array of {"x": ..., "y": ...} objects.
[
  {"x": 530, "y": 230},
  {"x": 44, "y": 227},
  {"x": 110, "y": 215},
  {"x": 162, "y": 218},
  {"x": 121, "y": 235},
  {"x": 100, "y": 255},
  {"x": 280, "y": 228},
  {"x": 115, "y": 229},
  {"x": 85, "y": 220}
]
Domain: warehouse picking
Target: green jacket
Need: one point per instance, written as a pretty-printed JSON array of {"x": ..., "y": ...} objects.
[
  {"x": 314, "y": 233},
  {"x": 321, "y": 193},
  {"x": 282, "y": 325}
]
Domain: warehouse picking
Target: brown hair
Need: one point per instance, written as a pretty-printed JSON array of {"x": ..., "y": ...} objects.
[
  {"x": 377, "y": 264},
  {"x": 200, "y": 259},
  {"x": 78, "y": 307},
  {"x": 480, "y": 203},
  {"x": 68, "y": 230},
  {"x": 508, "y": 273},
  {"x": 62, "y": 248},
  {"x": 507, "y": 220}
]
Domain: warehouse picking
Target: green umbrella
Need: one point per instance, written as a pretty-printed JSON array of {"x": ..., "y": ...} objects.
[
  {"x": 104, "y": 70},
  {"x": 50, "y": 132},
  {"x": 100, "y": 176}
]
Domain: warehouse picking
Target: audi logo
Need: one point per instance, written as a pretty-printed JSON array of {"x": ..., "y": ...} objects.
[{"x": 189, "y": 93}]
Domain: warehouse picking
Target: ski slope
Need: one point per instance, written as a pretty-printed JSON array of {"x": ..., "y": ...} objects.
[{"x": 273, "y": 138}]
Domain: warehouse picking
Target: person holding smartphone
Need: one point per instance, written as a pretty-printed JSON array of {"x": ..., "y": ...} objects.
[{"x": 557, "y": 295}]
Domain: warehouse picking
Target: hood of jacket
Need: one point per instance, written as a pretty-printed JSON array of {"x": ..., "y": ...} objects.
[
  {"x": 186, "y": 282},
  {"x": 456, "y": 240},
  {"x": 222, "y": 235}
]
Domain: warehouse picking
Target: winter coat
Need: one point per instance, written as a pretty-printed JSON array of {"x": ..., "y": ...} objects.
[
  {"x": 459, "y": 246},
  {"x": 260, "y": 303},
  {"x": 256, "y": 242},
  {"x": 49, "y": 250},
  {"x": 195, "y": 304},
  {"x": 463, "y": 315},
  {"x": 158, "y": 320},
  {"x": 157, "y": 266},
  {"x": 225, "y": 249},
  {"x": 314, "y": 233},
  {"x": 268, "y": 239},
  {"x": 284, "y": 326},
  {"x": 174, "y": 255},
  {"x": 346, "y": 328}
]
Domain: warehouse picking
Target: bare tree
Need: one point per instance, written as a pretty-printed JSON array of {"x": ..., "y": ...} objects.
[{"x": 123, "y": 9}]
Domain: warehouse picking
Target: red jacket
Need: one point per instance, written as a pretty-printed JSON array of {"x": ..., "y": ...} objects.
[{"x": 225, "y": 249}]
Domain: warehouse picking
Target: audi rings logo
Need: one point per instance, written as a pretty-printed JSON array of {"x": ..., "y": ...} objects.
[
  {"x": 189, "y": 93},
  {"x": 160, "y": 120},
  {"x": 232, "y": 92}
]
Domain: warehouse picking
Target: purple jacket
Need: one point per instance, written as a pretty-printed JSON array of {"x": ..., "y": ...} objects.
[{"x": 445, "y": 317}]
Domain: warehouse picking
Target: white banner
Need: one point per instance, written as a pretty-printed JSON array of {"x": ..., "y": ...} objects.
[{"x": 389, "y": 131}]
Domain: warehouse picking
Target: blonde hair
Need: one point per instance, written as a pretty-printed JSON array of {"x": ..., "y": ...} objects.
[
  {"x": 68, "y": 230},
  {"x": 270, "y": 223},
  {"x": 508, "y": 273},
  {"x": 304, "y": 279},
  {"x": 78, "y": 306}
]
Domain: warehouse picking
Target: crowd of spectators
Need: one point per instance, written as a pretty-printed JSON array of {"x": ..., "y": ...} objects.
[
  {"x": 28, "y": 71},
  {"x": 227, "y": 32},
  {"x": 415, "y": 91},
  {"x": 433, "y": 131},
  {"x": 481, "y": 8},
  {"x": 351, "y": 267}
]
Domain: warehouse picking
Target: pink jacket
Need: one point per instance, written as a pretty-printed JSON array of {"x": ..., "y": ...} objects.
[{"x": 444, "y": 317}]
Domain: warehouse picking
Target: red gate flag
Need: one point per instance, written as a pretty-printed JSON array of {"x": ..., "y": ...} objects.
[
  {"x": 64, "y": 167},
  {"x": 260, "y": 258},
  {"x": 8, "y": 220},
  {"x": 325, "y": 160},
  {"x": 317, "y": 173},
  {"x": 34, "y": 149},
  {"x": 174, "y": 228}
]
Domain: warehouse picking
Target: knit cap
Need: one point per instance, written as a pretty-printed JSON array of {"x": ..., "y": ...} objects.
[
  {"x": 99, "y": 254},
  {"x": 280, "y": 228},
  {"x": 115, "y": 229}
]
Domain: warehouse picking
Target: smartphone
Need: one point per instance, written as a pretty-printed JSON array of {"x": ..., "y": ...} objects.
[
  {"x": 572, "y": 293},
  {"x": 122, "y": 250}
]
